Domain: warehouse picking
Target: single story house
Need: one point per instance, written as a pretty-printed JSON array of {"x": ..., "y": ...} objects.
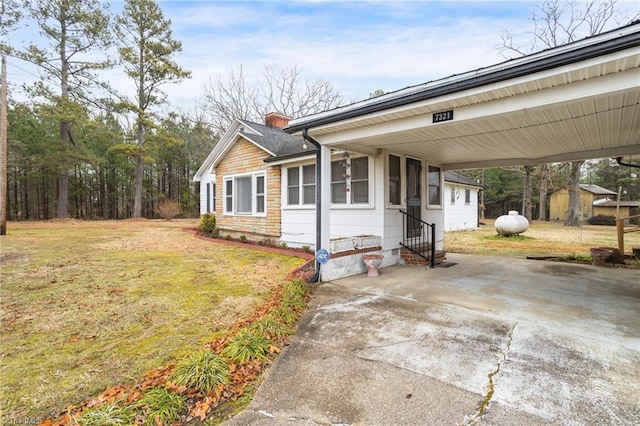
[
  {"x": 461, "y": 206},
  {"x": 377, "y": 170},
  {"x": 559, "y": 201}
]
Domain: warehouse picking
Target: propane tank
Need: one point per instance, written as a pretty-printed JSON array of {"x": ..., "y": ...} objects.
[{"x": 511, "y": 224}]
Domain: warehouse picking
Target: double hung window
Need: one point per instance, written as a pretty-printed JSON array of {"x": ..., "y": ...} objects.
[
  {"x": 350, "y": 181},
  {"x": 301, "y": 185}
]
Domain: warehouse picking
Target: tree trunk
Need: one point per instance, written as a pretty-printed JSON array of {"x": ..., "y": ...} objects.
[
  {"x": 573, "y": 217},
  {"x": 543, "y": 182},
  {"x": 137, "y": 200},
  {"x": 527, "y": 204},
  {"x": 3, "y": 148}
]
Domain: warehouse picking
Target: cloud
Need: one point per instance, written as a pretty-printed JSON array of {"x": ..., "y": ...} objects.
[{"x": 357, "y": 46}]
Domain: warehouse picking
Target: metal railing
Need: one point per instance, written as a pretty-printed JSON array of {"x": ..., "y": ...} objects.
[{"x": 418, "y": 237}]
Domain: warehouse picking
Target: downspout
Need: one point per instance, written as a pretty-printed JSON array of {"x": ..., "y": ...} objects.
[{"x": 316, "y": 277}]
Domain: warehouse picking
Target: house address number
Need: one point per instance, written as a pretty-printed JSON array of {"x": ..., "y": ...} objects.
[{"x": 442, "y": 116}]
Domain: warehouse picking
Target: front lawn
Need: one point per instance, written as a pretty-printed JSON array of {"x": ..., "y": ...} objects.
[{"x": 87, "y": 305}]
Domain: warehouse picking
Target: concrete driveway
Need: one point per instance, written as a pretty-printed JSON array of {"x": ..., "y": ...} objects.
[{"x": 489, "y": 341}]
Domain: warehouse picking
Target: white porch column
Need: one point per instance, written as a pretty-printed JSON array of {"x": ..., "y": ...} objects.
[{"x": 325, "y": 188}]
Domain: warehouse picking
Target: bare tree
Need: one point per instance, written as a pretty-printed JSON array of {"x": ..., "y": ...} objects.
[
  {"x": 556, "y": 22},
  {"x": 282, "y": 89}
]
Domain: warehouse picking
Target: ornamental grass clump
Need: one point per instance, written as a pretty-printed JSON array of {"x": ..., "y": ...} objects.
[
  {"x": 108, "y": 415},
  {"x": 271, "y": 327},
  {"x": 203, "y": 371},
  {"x": 285, "y": 314},
  {"x": 247, "y": 345},
  {"x": 162, "y": 406}
]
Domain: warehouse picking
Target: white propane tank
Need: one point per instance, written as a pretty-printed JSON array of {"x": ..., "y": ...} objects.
[{"x": 511, "y": 224}]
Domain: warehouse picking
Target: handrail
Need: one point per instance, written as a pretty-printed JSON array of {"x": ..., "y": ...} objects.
[
  {"x": 621, "y": 231},
  {"x": 418, "y": 243}
]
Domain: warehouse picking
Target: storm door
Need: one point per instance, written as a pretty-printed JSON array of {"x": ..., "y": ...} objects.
[{"x": 414, "y": 203}]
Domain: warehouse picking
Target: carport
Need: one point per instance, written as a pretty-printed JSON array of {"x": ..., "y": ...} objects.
[{"x": 574, "y": 102}]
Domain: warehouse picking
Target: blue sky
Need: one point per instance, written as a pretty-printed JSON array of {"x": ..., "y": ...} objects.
[{"x": 358, "y": 46}]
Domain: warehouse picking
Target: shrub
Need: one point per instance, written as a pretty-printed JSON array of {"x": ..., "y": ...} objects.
[
  {"x": 306, "y": 249},
  {"x": 108, "y": 415},
  {"x": 243, "y": 238},
  {"x": 208, "y": 223},
  {"x": 168, "y": 209},
  {"x": 162, "y": 406},
  {"x": 602, "y": 219},
  {"x": 284, "y": 245},
  {"x": 247, "y": 345},
  {"x": 203, "y": 371}
]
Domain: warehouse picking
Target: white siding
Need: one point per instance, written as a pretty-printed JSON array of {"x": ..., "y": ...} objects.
[
  {"x": 206, "y": 179},
  {"x": 459, "y": 215},
  {"x": 299, "y": 226}
]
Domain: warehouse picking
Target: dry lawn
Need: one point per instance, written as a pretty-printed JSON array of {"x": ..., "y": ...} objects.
[
  {"x": 86, "y": 305},
  {"x": 542, "y": 238}
]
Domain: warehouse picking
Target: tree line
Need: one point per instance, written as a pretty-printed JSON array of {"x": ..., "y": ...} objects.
[{"x": 77, "y": 148}]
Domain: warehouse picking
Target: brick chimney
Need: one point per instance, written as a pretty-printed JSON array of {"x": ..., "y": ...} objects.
[{"x": 275, "y": 119}]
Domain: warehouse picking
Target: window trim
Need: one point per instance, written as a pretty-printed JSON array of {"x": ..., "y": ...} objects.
[{"x": 254, "y": 195}]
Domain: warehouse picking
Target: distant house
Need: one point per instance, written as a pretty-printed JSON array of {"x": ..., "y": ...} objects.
[
  {"x": 608, "y": 207},
  {"x": 559, "y": 201},
  {"x": 461, "y": 202}
]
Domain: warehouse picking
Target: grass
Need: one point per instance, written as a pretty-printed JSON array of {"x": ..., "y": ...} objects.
[
  {"x": 203, "y": 371},
  {"x": 86, "y": 305},
  {"x": 162, "y": 406},
  {"x": 108, "y": 415},
  {"x": 247, "y": 345},
  {"x": 542, "y": 238}
]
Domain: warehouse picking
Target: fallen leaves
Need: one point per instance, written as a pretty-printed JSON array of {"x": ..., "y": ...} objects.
[{"x": 199, "y": 405}]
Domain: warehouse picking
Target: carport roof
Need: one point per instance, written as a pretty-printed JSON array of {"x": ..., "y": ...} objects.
[{"x": 572, "y": 102}]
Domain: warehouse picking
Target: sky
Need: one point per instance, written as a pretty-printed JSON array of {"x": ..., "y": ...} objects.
[{"x": 358, "y": 46}]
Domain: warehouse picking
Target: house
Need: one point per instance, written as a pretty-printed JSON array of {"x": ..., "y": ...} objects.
[
  {"x": 608, "y": 207},
  {"x": 239, "y": 185},
  {"x": 461, "y": 207},
  {"x": 559, "y": 201},
  {"x": 378, "y": 167}
]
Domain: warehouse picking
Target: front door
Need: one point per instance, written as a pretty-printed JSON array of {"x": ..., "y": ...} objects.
[{"x": 414, "y": 203}]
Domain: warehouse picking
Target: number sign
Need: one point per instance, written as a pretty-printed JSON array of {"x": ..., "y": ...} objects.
[{"x": 442, "y": 116}]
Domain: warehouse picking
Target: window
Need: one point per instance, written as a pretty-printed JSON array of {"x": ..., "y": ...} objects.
[
  {"x": 467, "y": 196},
  {"x": 339, "y": 182},
  {"x": 360, "y": 180},
  {"x": 245, "y": 195},
  {"x": 453, "y": 195},
  {"x": 208, "y": 198},
  {"x": 395, "y": 180},
  {"x": 434, "y": 186},
  {"x": 260, "y": 194},
  {"x": 305, "y": 190},
  {"x": 309, "y": 184},
  {"x": 293, "y": 186},
  {"x": 350, "y": 176}
]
